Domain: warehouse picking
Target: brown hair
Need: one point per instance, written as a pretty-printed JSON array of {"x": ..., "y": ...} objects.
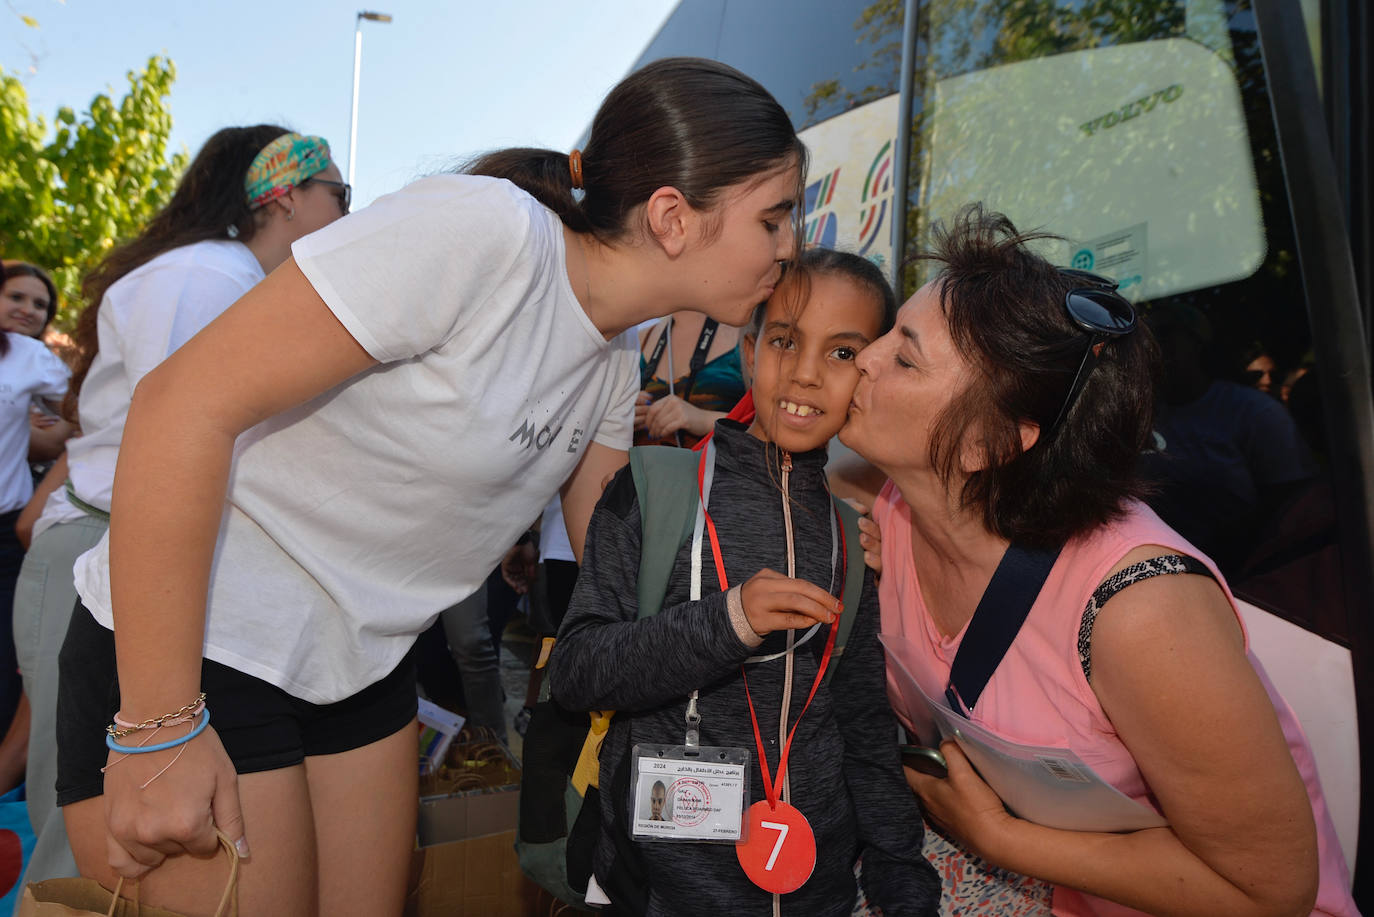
[
  {"x": 825, "y": 262},
  {"x": 208, "y": 201},
  {"x": 697, "y": 125},
  {"x": 1005, "y": 309}
]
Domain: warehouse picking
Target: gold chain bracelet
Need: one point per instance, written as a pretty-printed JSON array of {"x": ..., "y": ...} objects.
[{"x": 157, "y": 721}]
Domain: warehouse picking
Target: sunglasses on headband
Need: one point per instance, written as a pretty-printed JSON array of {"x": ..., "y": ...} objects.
[{"x": 1103, "y": 313}]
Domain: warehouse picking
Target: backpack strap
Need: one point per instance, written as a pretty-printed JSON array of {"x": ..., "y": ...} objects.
[
  {"x": 853, "y": 580},
  {"x": 1001, "y": 611},
  {"x": 666, "y": 486},
  {"x": 665, "y": 480}
]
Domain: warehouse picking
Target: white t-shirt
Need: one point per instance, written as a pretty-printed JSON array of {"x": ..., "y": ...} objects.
[
  {"x": 28, "y": 373},
  {"x": 354, "y": 519},
  {"x": 145, "y": 316}
]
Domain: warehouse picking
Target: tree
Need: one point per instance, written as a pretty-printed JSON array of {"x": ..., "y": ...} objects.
[{"x": 65, "y": 201}]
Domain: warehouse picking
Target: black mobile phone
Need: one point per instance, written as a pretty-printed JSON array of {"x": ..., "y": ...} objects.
[{"x": 928, "y": 761}]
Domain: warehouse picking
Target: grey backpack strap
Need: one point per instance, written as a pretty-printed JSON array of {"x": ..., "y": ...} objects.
[
  {"x": 853, "y": 580},
  {"x": 666, "y": 486}
]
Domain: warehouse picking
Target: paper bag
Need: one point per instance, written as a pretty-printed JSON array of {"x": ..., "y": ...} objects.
[{"x": 88, "y": 898}]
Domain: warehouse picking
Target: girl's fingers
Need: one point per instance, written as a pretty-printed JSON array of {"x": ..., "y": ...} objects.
[{"x": 131, "y": 859}]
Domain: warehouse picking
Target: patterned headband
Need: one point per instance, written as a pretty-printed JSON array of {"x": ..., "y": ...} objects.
[{"x": 282, "y": 165}]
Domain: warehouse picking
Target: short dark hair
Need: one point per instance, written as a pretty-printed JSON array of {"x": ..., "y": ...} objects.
[
  {"x": 822, "y": 262},
  {"x": 24, "y": 269},
  {"x": 1005, "y": 308},
  {"x": 697, "y": 125}
]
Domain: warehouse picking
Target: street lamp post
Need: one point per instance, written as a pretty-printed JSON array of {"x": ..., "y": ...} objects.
[{"x": 370, "y": 16}]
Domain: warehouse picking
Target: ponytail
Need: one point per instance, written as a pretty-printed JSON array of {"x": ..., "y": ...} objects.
[
  {"x": 545, "y": 174},
  {"x": 696, "y": 125}
]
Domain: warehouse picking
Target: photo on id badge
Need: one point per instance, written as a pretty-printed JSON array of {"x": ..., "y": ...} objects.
[{"x": 683, "y": 795}]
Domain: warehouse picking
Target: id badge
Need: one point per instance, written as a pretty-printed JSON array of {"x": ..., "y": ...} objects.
[{"x": 689, "y": 794}]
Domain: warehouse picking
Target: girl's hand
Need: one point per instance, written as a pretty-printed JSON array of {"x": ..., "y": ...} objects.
[
  {"x": 642, "y": 402},
  {"x": 518, "y": 567},
  {"x": 670, "y": 414},
  {"x": 962, "y": 804},
  {"x": 177, "y": 812},
  {"x": 776, "y": 602}
]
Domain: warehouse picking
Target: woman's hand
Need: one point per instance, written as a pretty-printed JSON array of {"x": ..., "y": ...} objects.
[
  {"x": 962, "y": 804},
  {"x": 776, "y": 602},
  {"x": 177, "y": 812},
  {"x": 670, "y": 414},
  {"x": 870, "y": 536}
]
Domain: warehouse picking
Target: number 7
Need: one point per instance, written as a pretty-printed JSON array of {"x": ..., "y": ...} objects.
[{"x": 777, "y": 848}]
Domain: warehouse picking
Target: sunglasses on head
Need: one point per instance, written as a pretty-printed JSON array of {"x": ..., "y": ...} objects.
[
  {"x": 344, "y": 194},
  {"x": 1103, "y": 313}
]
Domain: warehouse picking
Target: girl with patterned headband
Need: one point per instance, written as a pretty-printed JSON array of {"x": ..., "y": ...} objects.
[
  {"x": 211, "y": 244},
  {"x": 282, "y": 165}
]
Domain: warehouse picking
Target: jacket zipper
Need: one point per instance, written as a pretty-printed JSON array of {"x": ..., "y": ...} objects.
[{"x": 785, "y": 709}]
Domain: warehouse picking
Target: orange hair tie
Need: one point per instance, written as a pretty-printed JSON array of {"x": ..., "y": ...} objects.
[{"x": 575, "y": 168}]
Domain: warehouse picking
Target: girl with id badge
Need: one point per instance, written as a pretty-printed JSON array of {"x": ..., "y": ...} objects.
[{"x": 739, "y": 773}]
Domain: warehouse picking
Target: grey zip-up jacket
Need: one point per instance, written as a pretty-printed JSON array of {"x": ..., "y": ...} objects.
[{"x": 844, "y": 771}]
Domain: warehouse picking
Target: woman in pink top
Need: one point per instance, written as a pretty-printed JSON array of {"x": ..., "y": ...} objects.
[{"x": 1008, "y": 405}]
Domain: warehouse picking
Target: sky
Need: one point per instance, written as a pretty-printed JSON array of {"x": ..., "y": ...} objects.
[{"x": 446, "y": 79}]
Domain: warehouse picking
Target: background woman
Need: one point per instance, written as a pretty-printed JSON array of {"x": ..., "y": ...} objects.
[
  {"x": 28, "y": 302},
  {"x": 1008, "y": 406},
  {"x": 30, "y": 375},
  {"x": 248, "y": 194},
  {"x": 690, "y": 376},
  {"x": 415, "y": 383}
]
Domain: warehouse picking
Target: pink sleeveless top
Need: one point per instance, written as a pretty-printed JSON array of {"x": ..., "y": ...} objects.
[{"x": 1039, "y": 695}]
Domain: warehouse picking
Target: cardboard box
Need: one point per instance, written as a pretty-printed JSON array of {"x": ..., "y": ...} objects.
[
  {"x": 479, "y": 876},
  {"x": 458, "y": 816},
  {"x": 488, "y": 805}
]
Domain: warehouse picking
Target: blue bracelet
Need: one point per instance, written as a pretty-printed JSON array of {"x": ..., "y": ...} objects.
[{"x": 112, "y": 745}]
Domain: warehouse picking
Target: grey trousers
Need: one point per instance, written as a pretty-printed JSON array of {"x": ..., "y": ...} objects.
[
  {"x": 469, "y": 640},
  {"x": 43, "y": 602}
]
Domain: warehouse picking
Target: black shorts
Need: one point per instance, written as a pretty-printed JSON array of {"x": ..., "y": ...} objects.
[{"x": 261, "y": 726}]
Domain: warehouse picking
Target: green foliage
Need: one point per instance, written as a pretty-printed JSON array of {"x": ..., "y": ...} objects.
[{"x": 66, "y": 201}]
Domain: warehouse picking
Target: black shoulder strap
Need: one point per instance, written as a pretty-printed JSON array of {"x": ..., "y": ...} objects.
[
  {"x": 708, "y": 334},
  {"x": 651, "y": 367},
  {"x": 996, "y": 622},
  {"x": 704, "y": 339}
]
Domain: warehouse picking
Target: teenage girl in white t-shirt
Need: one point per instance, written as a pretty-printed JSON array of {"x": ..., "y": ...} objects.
[
  {"x": 351, "y": 447},
  {"x": 207, "y": 247}
]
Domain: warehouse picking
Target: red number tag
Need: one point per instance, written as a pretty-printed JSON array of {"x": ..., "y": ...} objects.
[{"x": 781, "y": 850}]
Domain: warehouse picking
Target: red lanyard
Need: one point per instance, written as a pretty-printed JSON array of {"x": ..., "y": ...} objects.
[{"x": 770, "y": 785}]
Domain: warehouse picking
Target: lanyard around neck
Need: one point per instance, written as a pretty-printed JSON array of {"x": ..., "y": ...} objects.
[
  {"x": 705, "y": 474},
  {"x": 706, "y": 468}
]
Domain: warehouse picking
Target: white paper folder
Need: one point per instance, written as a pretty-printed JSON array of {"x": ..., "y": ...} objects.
[{"x": 1049, "y": 786}]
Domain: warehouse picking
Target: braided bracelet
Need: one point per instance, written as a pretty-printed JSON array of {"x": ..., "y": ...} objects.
[{"x": 112, "y": 745}]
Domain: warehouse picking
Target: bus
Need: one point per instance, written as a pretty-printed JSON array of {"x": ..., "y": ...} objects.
[{"x": 1213, "y": 156}]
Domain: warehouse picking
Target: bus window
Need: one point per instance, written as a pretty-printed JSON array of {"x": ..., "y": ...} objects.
[{"x": 1142, "y": 135}]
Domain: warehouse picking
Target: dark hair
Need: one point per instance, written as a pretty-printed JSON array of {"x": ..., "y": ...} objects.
[
  {"x": 24, "y": 269},
  {"x": 824, "y": 262},
  {"x": 209, "y": 199},
  {"x": 1005, "y": 309},
  {"x": 694, "y": 124}
]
